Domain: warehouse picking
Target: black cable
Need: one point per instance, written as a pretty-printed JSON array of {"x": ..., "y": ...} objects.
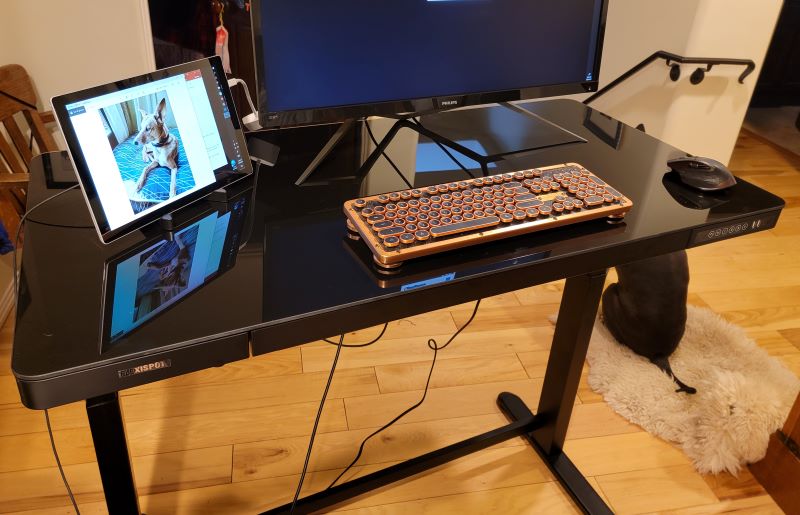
[
  {"x": 356, "y": 345},
  {"x": 435, "y": 348},
  {"x": 16, "y": 293},
  {"x": 316, "y": 423},
  {"x": 446, "y": 151},
  {"x": 386, "y": 156},
  {"x": 58, "y": 462},
  {"x": 63, "y": 226},
  {"x": 19, "y": 231}
]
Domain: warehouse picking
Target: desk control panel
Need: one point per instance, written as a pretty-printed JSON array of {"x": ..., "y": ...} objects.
[
  {"x": 735, "y": 228},
  {"x": 408, "y": 224}
]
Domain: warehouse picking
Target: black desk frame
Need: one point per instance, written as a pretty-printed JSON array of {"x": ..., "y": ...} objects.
[{"x": 546, "y": 430}]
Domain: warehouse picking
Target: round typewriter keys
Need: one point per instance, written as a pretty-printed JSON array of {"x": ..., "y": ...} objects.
[
  {"x": 383, "y": 199},
  {"x": 442, "y": 188},
  {"x": 391, "y": 241},
  {"x": 545, "y": 210},
  {"x": 463, "y": 185},
  {"x": 506, "y": 218},
  {"x": 405, "y": 195},
  {"x": 394, "y": 197},
  {"x": 422, "y": 235},
  {"x": 453, "y": 186},
  {"x": 558, "y": 207},
  {"x": 519, "y": 215},
  {"x": 359, "y": 203},
  {"x": 431, "y": 190},
  {"x": 367, "y": 212},
  {"x": 519, "y": 176},
  {"x": 532, "y": 212},
  {"x": 416, "y": 193}
]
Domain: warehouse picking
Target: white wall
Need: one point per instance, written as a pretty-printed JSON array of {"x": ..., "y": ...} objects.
[
  {"x": 703, "y": 119},
  {"x": 66, "y": 46}
]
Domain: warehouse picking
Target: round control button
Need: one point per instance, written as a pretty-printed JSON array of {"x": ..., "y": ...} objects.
[
  {"x": 506, "y": 218},
  {"x": 411, "y": 227},
  {"x": 558, "y": 207},
  {"x": 416, "y": 193},
  {"x": 391, "y": 241},
  {"x": 545, "y": 210},
  {"x": 532, "y": 212},
  {"x": 405, "y": 195},
  {"x": 379, "y": 210},
  {"x": 519, "y": 215},
  {"x": 442, "y": 188},
  {"x": 446, "y": 220},
  {"x": 393, "y": 197},
  {"x": 424, "y": 225},
  {"x": 359, "y": 203},
  {"x": 422, "y": 235},
  {"x": 479, "y": 214},
  {"x": 367, "y": 212}
]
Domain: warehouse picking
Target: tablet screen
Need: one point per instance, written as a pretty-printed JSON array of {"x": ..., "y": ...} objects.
[{"x": 147, "y": 145}]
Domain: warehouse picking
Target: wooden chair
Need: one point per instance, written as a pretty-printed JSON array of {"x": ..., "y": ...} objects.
[{"x": 22, "y": 135}]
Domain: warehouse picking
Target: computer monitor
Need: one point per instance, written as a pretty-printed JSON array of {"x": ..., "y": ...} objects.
[{"x": 320, "y": 61}]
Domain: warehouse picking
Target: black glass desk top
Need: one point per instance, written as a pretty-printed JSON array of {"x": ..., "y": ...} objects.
[{"x": 290, "y": 274}]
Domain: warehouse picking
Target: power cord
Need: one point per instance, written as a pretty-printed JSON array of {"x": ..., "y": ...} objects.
[
  {"x": 356, "y": 345},
  {"x": 386, "y": 156},
  {"x": 58, "y": 462},
  {"x": 16, "y": 293},
  {"x": 316, "y": 424},
  {"x": 435, "y": 348}
]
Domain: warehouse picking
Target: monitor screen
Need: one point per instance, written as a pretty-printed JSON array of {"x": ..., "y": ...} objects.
[
  {"x": 146, "y": 145},
  {"x": 329, "y": 57}
]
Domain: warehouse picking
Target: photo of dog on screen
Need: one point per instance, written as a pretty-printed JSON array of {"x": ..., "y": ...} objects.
[
  {"x": 164, "y": 272},
  {"x": 148, "y": 148}
]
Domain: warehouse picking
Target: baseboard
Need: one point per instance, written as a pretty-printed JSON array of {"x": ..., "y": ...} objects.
[{"x": 6, "y": 301}]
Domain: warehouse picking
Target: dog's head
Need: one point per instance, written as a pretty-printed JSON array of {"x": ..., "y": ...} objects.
[{"x": 152, "y": 125}]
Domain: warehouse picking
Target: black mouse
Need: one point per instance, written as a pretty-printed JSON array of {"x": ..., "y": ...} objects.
[{"x": 703, "y": 173}]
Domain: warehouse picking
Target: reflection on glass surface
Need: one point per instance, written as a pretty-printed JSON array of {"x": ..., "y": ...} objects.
[{"x": 147, "y": 280}]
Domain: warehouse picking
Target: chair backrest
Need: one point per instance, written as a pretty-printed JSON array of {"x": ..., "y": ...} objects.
[{"x": 22, "y": 132}]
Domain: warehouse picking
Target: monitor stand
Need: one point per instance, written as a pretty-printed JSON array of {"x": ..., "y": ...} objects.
[
  {"x": 326, "y": 150},
  {"x": 500, "y": 130}
]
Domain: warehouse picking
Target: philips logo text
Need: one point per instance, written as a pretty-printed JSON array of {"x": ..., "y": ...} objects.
[{"x": 141, "y": 369}]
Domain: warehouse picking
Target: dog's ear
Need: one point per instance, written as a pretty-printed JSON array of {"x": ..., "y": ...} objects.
[
  {"x": 160, "y": 110},
  {"x": 143, "y": 113}
]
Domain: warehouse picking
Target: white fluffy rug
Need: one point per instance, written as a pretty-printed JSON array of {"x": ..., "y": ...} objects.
[{"x": 743, "y": 394}]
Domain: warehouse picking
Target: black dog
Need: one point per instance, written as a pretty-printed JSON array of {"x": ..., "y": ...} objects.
[{"x": 646, "y": 309}]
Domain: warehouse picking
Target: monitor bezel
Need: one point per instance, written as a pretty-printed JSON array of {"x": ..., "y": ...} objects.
[
  {"x": 324, "y": 115},
  {"x": 59, "y": 103}
]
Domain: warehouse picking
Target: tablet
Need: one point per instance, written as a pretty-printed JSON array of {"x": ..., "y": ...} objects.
[
  {"x": 148, "y": 145},
  {"x": 147, "y": 280}
]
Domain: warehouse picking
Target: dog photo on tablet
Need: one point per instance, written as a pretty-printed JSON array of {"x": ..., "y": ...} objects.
[{"x": 148, "y": 148}]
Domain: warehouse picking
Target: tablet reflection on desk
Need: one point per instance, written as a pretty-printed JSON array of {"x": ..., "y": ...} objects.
[{"x": 147, "y": 280}]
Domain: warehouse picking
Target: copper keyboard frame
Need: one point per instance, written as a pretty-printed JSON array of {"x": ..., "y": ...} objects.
[{"x": 396, "y": 256}]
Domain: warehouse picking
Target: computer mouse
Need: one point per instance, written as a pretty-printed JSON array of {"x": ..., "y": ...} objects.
[{"x": 703, "y": 173}]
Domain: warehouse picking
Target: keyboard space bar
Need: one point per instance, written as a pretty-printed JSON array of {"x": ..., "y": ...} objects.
[{"x": 465, "y": 226}]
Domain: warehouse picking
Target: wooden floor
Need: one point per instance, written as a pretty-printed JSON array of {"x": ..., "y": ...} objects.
[{"x": 232, "y": 440}]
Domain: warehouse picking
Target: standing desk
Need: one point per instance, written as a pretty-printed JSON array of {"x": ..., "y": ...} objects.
[{"x": 294, "y": 277}]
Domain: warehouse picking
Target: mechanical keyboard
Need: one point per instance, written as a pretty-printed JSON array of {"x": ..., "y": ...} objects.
[{"x": 408, "y": 224}]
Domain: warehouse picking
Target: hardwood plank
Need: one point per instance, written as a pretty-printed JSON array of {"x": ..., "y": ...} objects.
[
  {"x": 729, "y": 487},
  {"x": 484, "y": 470},
  {"x": 533, "y": 499},
  {"x": 456, "y": 401},
  {"x": 43, "y": 488},
  {"x": 285, "y": 456},
  {"x": 752, "y": 298},
  {"x": 767, "y": 318},
  {"x": 74, "y": 446},
  {"x": 612, "y": 454},
  {"x": 506, "y": 317},
  {"x": 792, "y": 335},
  {"x": 597, "y": 419},
  {"x": 760, "y": 505},
  {"x": 226, "y": 427},
  {"x": 246, "y": 394},
  {"x": 449, "y": 372},
  {"x": 549, "y": 293},
  {"x": 318, "y": 357},
  {"x": 655, "y": 489}
]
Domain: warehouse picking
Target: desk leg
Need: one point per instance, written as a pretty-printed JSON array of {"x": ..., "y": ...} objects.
[
  {"x": 545, "y": 431},
  {"x": 111, "y": 449},
  {"x": 576, "y": 318}
]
